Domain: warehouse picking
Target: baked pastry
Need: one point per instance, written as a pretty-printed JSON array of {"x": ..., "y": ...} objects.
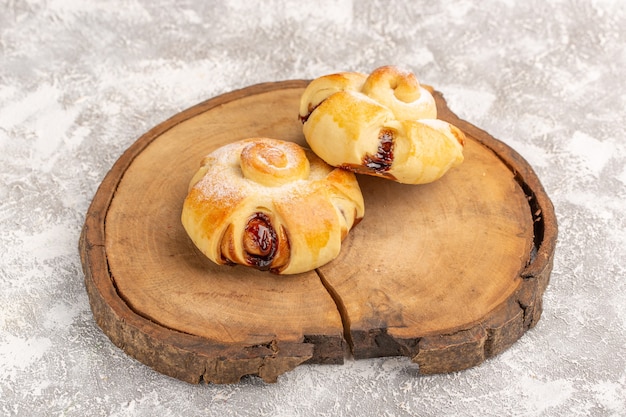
[
  {"x": 271, "y": 205},
  {"x": 382, "y": 124}
]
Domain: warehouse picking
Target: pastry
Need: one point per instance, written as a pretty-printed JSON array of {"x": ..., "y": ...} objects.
[
  {"x": 383, "y": 124},
  {"x": 272, "y": 205}
]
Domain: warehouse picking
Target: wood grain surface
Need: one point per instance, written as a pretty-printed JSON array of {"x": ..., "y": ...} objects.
[{"x": 448, "y": 273}]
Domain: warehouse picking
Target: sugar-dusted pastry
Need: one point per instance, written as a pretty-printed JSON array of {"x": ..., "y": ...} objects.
[
  {"x": 271, "y": 205},
  {"x": 382, "y": 124}
]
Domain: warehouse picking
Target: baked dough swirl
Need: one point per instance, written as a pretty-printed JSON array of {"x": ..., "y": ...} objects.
[
  {"x": 383, "y": 124},
  {"x": 271, "y": 205}
]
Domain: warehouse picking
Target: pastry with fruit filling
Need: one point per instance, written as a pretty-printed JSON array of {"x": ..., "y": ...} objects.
[
  {"x": 271, "y": 205},
  {"x": 383, "y": 124}
]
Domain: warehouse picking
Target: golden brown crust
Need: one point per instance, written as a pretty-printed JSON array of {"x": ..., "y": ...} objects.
[
  {"x": 382, "y": 124},
  {"x": 271, "y": 205}
]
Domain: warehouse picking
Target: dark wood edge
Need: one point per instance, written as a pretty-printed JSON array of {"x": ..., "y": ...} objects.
[
  {"x": 522, "y": 310},
  {"x": 202, "y": 359},
  {"x": 536, "y": 273}
]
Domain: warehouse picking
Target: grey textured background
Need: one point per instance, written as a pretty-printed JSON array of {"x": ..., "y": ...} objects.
[{"x": 80, "y": 81}]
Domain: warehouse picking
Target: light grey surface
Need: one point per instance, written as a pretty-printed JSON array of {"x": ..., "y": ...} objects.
[{"x": 81, "y": 81}]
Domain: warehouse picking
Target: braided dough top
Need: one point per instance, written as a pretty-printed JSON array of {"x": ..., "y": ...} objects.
[
  {"x": 271, "y": 205},
  {"x": 382, "y": 124}
]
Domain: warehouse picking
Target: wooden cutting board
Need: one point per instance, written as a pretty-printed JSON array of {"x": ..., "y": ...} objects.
[{"x": 447, "y": 274}]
